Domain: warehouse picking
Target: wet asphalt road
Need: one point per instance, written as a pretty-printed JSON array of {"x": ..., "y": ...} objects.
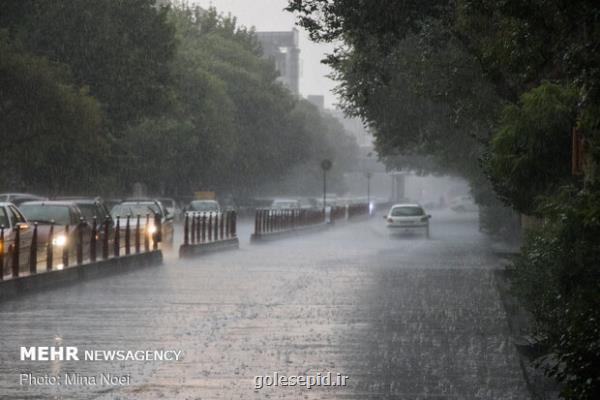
[{"x": 402, "y": 317}]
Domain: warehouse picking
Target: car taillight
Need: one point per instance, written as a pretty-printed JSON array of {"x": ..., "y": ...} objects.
[
  {"x": 390, "y": 220},
  {"x": 423, "y": 219}
]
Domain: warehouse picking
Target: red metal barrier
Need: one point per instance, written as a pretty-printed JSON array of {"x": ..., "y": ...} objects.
[
  {"x": 274, "y": 220},
  {"x": 207, "y": 227}
]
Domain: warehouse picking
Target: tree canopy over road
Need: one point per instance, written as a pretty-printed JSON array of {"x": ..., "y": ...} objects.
[{"x": 490, "y": 91}]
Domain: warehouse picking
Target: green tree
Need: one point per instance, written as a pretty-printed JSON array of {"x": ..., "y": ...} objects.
[
  {"x": 530, "y": 155},
  {"x": 119, "y": 49},
  {"x": 52, "y": 131}
]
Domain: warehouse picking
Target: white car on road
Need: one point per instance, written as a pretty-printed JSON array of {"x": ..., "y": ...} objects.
[{"x": 406, "y": 218}]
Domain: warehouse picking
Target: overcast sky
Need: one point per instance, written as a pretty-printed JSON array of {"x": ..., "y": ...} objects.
[{"x": 268, "y": 15}]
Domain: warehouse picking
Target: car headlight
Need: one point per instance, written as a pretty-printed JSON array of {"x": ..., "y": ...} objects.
[{"x": 59, "y": 240}]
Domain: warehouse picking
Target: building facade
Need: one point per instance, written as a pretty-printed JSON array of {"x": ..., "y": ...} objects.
[{"x": 282, "y": 48}]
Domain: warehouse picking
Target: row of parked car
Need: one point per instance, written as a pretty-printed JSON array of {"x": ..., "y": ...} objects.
[{"x": 19, "y": 212}]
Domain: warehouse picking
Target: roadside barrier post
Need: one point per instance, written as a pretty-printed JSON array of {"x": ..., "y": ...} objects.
[
  {"x": 65, "y": 252},
  {"x": 105, "y": 239},
  {"x": 257, "y": 222},
  {"x": 1, "y": 252},
  {"x": 116, "y": 244},
  {"x": 221, "y": 226},
  {"x": 15, "y": 253},
  {"x": 216, "y": 226},
  {"x": 234, "y": 224},
  {"x": 158, "y": 234},
  {"x": 198, "y": 228},
  {"x": 93, "y": 252},
  {"x": 193, "y": 236},
  {"x": 50, "y": 247},
  {"x": 227, "y": 222},
  {"x": 147, "y": 234},
  {"x": 80, "y": 241},
  {"x": 137, "y": 234},
  {"x": 127, "y": 233},
  {"x": 33, "y": 252},
  {"x": 186, "y": 230}
]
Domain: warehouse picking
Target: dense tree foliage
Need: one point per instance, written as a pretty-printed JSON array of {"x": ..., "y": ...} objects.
[
  {"x": 178, "y": 99},
  {"x": 530, "y": 156},
  {"x": 51, "y": 129},
  {"x": 119, "y": 49}
]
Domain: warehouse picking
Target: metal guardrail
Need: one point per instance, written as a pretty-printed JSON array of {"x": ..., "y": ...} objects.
[
  {"x": 207, "y": 227},
  {"x": 275, "y": 220},
  {"x": 58, "y": 245}
]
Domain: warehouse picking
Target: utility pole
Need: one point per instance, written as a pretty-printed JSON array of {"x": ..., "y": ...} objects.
[{"x": 325, "y": 166}]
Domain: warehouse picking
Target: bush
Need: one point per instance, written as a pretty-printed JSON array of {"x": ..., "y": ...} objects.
[{"x": 558, "y": 279}]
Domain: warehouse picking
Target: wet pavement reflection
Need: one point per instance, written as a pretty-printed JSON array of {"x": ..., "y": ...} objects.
[{"x": 402, "y": 316}]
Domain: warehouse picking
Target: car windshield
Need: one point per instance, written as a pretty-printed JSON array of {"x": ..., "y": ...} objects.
[
  {"x": 45, "y": 213},
  {"x": 89, "y": 211},
  {"x": 407, "y": 211},
  {"x": 133, "y": 210},
  {"x": 204, "y": 206}
]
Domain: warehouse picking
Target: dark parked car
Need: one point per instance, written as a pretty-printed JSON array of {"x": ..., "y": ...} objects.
[
  {"x": 95, "y": 207},
  {"x": 144, "y": 208},
  {"x": 62, "y": 214},
  {"x": 11, "y": 219}
]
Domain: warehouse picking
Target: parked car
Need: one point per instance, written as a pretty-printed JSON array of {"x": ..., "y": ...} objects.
[
  {"x": 60, "y": 214},
  {"x": 95, "y": 207},
  {"x": 144, "y": 208},
  {"x": 205, "y": 206},
  {"x": 11, "y": 219},
  {"x": 19, "y": 198},
  {"x": 407, "y": 217}
]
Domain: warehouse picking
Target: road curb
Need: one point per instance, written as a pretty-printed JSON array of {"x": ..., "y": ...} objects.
[
  {"x": 55, "y": 278},
  {"x": 192, "y": 250},
  {"x": 519, "y": 322}
]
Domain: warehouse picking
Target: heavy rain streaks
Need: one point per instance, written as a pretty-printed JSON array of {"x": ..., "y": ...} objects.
[{"x": 403, "y": 317}]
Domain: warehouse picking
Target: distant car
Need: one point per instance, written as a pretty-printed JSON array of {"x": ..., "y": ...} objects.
[
  {"x": 407, "y": 217},
  {"x": 285, "y": 204},
  {"x": 146, "y": 209},
  {"x": 204, "y": 206},
  {"x": 11, "y": 219},
  {"x": 463, "y": 204},
  {"x": 19, "y": 198},
  {"x": 61, "y": 214}
]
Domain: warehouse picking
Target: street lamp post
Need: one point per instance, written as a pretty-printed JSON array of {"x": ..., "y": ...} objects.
[{"x": 325, "y": 166}]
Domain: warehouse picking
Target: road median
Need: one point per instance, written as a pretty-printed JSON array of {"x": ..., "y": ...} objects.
[{"x": 59, "y": 277}]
